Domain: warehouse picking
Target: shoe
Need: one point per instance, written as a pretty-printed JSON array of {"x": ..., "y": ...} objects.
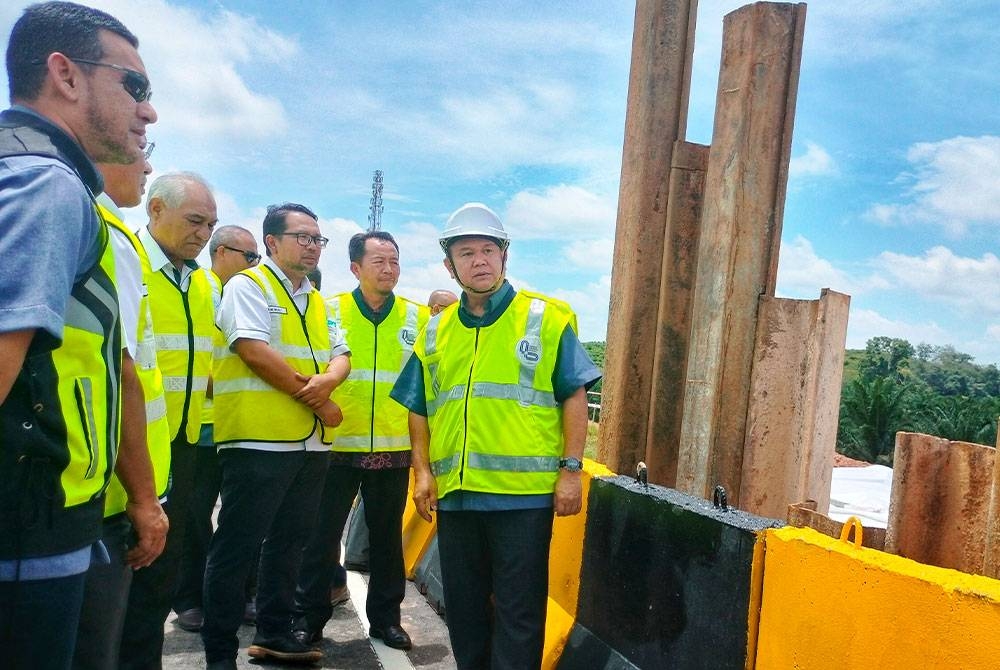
[
  {"x": 190, "y": 620},
  {"x": 284, "y": 649},
  {"x": 228, "y": 664},
  {"x": 250, "y": 613},
  {"x": 339, "y": 595},
  {"x": 310, "y": 639},
  {"x": 394, "y": 636}
]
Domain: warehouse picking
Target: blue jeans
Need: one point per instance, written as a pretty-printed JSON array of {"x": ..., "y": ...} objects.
[
  {"x": 38, "y": 622},
  {"x": 269, "y": 496},
  {"x": 504, "y": 555}
]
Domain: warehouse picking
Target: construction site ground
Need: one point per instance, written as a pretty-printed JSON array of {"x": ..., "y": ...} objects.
[{"x": 345, "y": 639}]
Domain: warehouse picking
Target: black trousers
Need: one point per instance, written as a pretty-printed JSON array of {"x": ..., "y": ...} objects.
[
  {"x": 270, "y": 496},
  {"x": 153, "y": 587},
  {"x": 38, "y": 622},
  {"x": 384, "y": 496},
  {"x": 504, "y": 555},
  {"x": 104, "y": 599}
]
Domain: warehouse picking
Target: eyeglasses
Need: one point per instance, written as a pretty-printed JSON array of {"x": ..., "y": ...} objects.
[
  {"x": 148, "y": 151},
  {"x": 136, "y": 84},
  {"x": 304, "y": 239},
  {"x": 251, "y": 256}
]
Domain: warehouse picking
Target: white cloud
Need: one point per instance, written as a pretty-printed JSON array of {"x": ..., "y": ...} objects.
[
  {"x": 815, "y": 162},
  {"x": 971, "y": 285},
  {"x": 592, "y": 255},
  {"x": 193, "y": 61},
  {"x": 864, "y": 324},
  {"x": 802, "y": 273},
  {"x": 954, "y": 185},
  {"x": 570, "y": 212},
  {"x": 591, "y": 307}
]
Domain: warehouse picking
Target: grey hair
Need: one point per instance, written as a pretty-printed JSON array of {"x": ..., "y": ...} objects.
[
  {"x": 171, "y": 188},
  {"x": 226, "y": 236}
]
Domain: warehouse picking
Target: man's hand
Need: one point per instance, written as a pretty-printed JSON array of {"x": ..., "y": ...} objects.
[
  {"x": 569, "y": 493},
  {"x": 329, "y": 413},
  {"x": 316, "y": 391},
  {"x": 150, "y": 524},
  {"x": 425, "y": 495}
]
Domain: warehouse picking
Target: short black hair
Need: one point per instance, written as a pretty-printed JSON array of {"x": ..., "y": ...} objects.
[
  {"x": 356, "y": 247},
  {"x": 274, "y": 220},
  {"x": 316, "y": 277},
  {"x": 48, "y": 27}
]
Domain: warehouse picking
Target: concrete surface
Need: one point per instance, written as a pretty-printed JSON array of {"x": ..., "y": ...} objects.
[{"x": 345, "y": 640}]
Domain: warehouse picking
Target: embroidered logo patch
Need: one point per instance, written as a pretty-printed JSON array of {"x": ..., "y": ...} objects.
[
  {"x": 529, "y": 351},
  {"x": 407, "y": 336}
]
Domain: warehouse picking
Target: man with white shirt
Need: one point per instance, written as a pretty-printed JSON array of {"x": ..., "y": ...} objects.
[
  {"x": 182, "y": 215},
  {"x": 284, "y": 359},
  {"x": 107, "y": 586}
]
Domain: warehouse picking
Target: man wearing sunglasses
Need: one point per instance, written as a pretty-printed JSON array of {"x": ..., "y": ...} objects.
[
  {"x": 233, "y": 249},
  {"x": 182, "y": 216},
  {"x": 61, "y": 368}
]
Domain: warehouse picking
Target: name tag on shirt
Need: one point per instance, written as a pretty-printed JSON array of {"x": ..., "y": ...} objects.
[{"x": 276, "y": 309}]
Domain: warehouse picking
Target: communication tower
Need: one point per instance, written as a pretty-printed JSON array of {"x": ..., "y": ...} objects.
[{"x": 375, "y": 207}]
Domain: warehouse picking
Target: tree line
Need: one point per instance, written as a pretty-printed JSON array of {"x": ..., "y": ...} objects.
[{"x": 892, "y": 386}]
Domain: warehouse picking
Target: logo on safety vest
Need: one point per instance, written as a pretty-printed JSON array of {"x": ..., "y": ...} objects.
[
  {"x": 407, "y": 336},
  {"x": 529, "y": 351}
]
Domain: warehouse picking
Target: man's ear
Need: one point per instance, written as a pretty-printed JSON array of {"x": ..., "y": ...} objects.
[
  {"x": 64, "y": 76},
  {"x": 356, "y": 270},
  {"x": 450, "y": 268}
]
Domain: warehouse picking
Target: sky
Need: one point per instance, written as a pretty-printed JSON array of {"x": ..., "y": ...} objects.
[{"x": 894, "y": 188}]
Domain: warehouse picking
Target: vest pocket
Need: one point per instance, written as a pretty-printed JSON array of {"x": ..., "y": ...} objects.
[{"x": 83, "y": 390}]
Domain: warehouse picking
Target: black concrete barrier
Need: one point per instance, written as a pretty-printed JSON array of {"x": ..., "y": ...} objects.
[
  {"x": 665, "y": 581},
  {"x": 428, "y": 577}
]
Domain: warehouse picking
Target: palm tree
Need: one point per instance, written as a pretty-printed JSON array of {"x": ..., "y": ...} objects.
[{"x": 870, "y": 415}]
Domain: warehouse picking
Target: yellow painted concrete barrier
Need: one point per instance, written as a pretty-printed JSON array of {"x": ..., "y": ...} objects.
[
  {"x": 417, "y": 534},
  {"x": 829, "y": 604},
  {"x": 565, "y": 559}
]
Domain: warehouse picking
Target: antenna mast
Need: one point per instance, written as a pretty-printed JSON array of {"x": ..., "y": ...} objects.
[{"x": 375, "y": 207}]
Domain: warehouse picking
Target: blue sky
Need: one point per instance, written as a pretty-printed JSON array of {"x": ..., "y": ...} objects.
[{"x": 894, "y": 189}]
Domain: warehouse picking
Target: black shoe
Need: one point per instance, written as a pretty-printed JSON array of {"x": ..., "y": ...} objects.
[
  {"x": 190, "y": 620},
  {"x": 283, "y": 649},
  {"x": 308, "y": 638},
  {"x": 228, "y": 664},
  {"x": 394, "y": 636},
  {"x": 250, "y": 613}
]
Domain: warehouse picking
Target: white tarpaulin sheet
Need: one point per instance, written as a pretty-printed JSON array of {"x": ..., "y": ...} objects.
[{"x": 861, "y": 492}]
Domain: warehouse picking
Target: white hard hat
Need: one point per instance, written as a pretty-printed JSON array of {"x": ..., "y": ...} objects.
[{"x": 474, "y": 219}]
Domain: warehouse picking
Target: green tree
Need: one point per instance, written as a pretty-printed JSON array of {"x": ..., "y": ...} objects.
[
  {"x": 886, "y": 357},
  {"x": 871, "y": 412}
]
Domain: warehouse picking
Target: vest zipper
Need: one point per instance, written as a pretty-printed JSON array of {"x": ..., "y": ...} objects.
[
  {"x": 465, "y": 410},
  {"x": 371, "y": 423},
  {"x": 189, "y": 386}
]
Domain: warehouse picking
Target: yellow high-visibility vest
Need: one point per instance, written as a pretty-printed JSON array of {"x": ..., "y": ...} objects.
[
  {"x": 184, "y": 324},
  {"x": 495, "y": 424},
  {"x": 247, "y": 408},
  {"x": 373, "y": 421},
  {"x": 157, "y": 429},
  {"x": 218, "y": 342}
]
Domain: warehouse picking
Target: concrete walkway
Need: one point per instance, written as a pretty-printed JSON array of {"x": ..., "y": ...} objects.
[{"x": 345, "y": 639}]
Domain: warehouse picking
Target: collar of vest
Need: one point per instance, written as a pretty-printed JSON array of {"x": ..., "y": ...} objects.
[
  {"x": 34, "y": 135},
  {"x": 367, "y": 312},
  {"x": 495, "y": 307}
]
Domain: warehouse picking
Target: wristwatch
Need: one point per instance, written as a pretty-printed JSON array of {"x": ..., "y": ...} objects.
[{"x": 570, "y": 464}]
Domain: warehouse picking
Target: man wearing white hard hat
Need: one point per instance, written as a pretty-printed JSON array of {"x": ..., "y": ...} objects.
[{"x": 498, "y": 421}]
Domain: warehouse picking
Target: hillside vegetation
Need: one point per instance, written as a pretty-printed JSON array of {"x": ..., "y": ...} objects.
[{"x": 891, "y": 385}]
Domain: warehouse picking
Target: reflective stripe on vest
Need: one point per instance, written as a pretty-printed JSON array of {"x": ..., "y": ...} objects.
[
  {"x": 503, "y": 432},
  {"x": 157, "y": 429},
  {"x": 184, "y": 324},
  {"x": 88, "y": 363},
  {"x": 374, "y": 422},
  {"x": 218, "y": 341},
  {"x": 246, "y": 407}
]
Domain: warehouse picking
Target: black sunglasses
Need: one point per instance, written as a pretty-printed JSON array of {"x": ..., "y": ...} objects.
[
  {"x": 136, "y": 84},
  {"x": 251, "y": 256}
]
